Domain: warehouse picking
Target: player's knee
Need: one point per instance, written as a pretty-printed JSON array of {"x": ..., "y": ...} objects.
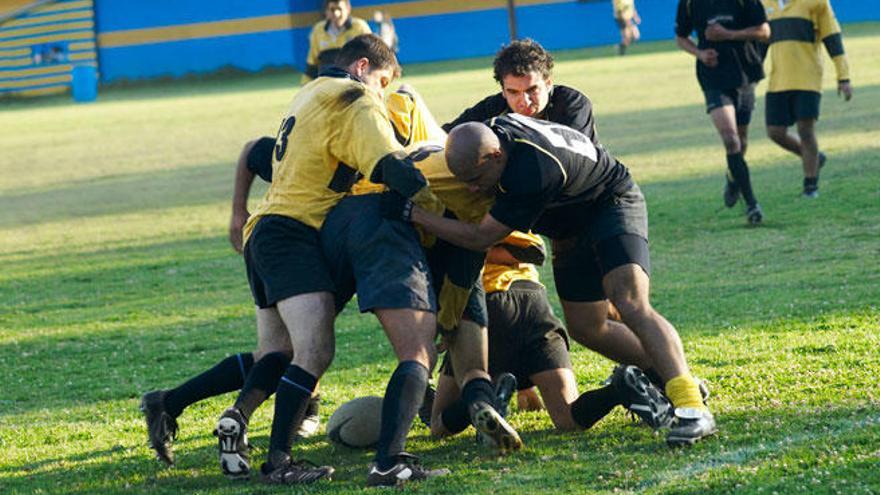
[
  {"x": 631, "y": 308},
  {"x": 776, "y": 133},
  {"x": 732, "y": 143}
]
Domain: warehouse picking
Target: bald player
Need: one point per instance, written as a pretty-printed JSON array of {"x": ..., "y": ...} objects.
[{"x": 552, "y": 180}]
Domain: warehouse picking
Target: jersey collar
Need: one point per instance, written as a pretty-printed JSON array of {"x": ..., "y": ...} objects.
[{"x": 339, "y": 73}]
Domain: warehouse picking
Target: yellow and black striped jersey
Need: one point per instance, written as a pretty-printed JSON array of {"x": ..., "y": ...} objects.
[
  {"x": 339, "y": 130},
  {"x": 499, "y": 277},
  {"x": 797, "y": 29},
  {"x": 624, "y": 9},
  {"x": 324, "y": 44}
]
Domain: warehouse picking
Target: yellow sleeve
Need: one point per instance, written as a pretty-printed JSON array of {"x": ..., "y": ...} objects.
[
  {"x": 359, "y": 27},
  {"x": 829, "y": 33},
  {"x": 312, "y": 57},
  {"x": 365, "y": 135}
]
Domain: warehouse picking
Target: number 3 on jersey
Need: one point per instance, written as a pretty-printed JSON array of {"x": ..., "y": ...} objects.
[{"x": 281, "y": 140}]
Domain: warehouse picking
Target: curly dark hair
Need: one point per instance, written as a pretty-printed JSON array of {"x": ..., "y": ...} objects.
[{"x": 521, "y": 57}]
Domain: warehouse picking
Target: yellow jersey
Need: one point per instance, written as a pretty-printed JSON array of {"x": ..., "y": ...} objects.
[
  {"x": 339, "y": 130},
  {"x": 498, "y": 277},
  {"x": 324, "y": 44},
  {"x": 797, "y": 29},
  {"x": 624, "y": 9}
]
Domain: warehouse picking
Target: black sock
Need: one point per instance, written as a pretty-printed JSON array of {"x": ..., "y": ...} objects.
[
  {"x": 455, "y": 417},
  {"x": 652, "y": 375},
  {"x": 403, "y": 396},
  {"x": 811, "y": 184},
  {"x": 478, "y": 389},
  {"x": 226, "y": 376},
  {"x": 261, "y": 382},
  {"x": 594, "y": 405},
  {"x": 294, "y": 391},
  {"x": 740, "y": 172}
]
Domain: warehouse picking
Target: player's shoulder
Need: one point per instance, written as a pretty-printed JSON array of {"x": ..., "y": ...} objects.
[
  {"x": 359, "y": 26},
  {"x": 569, "y": 96},
  {"x": 318, "y": 27}
]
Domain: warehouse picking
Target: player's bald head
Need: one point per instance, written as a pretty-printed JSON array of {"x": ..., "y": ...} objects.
[{"x": 466, "y": 146}]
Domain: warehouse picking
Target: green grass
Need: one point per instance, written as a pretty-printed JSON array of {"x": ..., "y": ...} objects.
[{"x": 117, "y": 278}]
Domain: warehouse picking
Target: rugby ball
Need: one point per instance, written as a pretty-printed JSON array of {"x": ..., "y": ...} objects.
[{"x": 356, "y": 423}]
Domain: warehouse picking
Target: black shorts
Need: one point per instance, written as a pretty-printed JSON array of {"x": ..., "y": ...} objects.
[
  {"x": 784, "y": 108},
  {"x": 742, "y": 99},
  {"x": 525, "y": 337},
  {"x": 622, "y": 22},
  {"x": 283, "y": 258},
  {"x": 380, "y": 260},
  {"x": 616, "y": 236}
]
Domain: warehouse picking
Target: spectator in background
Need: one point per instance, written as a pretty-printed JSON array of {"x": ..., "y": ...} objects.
[
  {"x": 729, "y": 65},
  {"x": 627, "y": 19},
  {"x": 385, "y": 29},
  {"x": 793, "y": 93},
  {"x": 328, "y": 36}
]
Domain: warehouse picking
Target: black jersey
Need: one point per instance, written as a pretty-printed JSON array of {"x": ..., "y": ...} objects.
[
  {"x": 550, "y": 166},
  {"x": 739, "y": 62},
  {"x": 566, "y": 106}
]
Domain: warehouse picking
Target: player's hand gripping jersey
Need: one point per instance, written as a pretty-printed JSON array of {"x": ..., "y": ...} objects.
[
  {"x": 528, "y": 250},
  {"x": 336, "y": 132},
  {"x": 551, "y": 167}
]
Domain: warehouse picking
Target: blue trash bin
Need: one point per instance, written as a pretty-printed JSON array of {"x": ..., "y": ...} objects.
[{"x": 85, "y": 83}]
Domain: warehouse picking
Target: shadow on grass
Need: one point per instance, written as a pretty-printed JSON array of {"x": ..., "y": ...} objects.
[{"x": 611, "y": 457}]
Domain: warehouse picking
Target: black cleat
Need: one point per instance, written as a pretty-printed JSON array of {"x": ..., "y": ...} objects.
[
  {"x": 290, "y": 472},
  {"x": 731, "y": 193},
  {"x": 641, "y": 397},
  {"x": 755, "y": 215},
  {"x": 505, "y": 386},
  {"x": 407, "y": 469},
  {"x": 161, "y": 427},
  {"x": 427, "y": 406},
  {"x": 690, "y": 426},
  {"x": 494, "y": 428},
  {"x": 811, "y": 193},
  {"x": 231, "y": 434}
]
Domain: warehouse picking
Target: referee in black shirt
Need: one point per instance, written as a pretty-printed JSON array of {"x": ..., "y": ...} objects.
[{"x": 729, "y": 65}]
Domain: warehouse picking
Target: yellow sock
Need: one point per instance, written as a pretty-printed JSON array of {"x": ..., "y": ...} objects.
[{"x": 684, "y": 392}]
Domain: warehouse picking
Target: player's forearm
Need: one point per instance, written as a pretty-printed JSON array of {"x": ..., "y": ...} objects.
[
  {"x": 754, "y": 33},
  {"x": 244, "y": 178},
  {"x": 461, "y": 234},
  {"x": 686, "y": 44}
]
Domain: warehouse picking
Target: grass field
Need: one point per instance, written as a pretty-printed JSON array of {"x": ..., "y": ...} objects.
[{"x": 117, "y": 278}]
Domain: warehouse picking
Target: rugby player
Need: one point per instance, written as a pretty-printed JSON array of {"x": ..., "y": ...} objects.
[
  {"x": 328, "y": 36},
  {"x": 524, "y": 71},
  {"x": 552, "y": 180},
  {"x": 627, "y": 19},
  {"x": 339, "y": 130},
  {"x": 728, "y": 67},
  {"x": 794, "y": 89}
]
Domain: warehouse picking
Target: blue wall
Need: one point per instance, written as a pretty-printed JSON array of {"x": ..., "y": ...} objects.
[{"x": 130, "y": 47}]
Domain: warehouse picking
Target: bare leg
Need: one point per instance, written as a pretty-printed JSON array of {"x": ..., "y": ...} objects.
[
  {"x": 809, "y": 147},
  {"x": 589, "y": 325},
  {"x": 447, "y": 393},
  {"x": 559, "y": 390},
  {"x": 780, "y": 135}
]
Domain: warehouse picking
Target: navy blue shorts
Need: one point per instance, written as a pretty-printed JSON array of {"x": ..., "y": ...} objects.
[
  {"x": 283, "y": 258},
  {"x": 784, "y": 108},
  {"x": 378, "y": 259}
]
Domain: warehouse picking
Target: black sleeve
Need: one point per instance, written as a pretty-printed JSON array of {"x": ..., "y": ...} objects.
[
  {"x": 576, "y": 111},
  {"x": 489, "y": 107},
  {"x": 755, "y": 13},
  {"x": 399, "y": 173},
  {"x": 534, "y": 254},
  {"x": 259, "y": 158},
  {"x": 684, "y": 25}
]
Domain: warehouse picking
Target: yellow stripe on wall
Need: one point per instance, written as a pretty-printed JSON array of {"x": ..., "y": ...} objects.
[
  {"x": 55, "y": 7},
  {"x": 82, "y": 56},
  {"x": 36, "y": 71},
  {"x": 43, "y": 29},
  {"x": 27, "y": 21},
  {"x": 115, "y": 39},
  {"x": 65, "y": 78},
  {"x": 82, "y": 45},
  {"x": 42, "y": 91},
  {"x": 47, "y": 39},
  {"x": 15, "y": 62},
  {"x": 15, "y": 52}
]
